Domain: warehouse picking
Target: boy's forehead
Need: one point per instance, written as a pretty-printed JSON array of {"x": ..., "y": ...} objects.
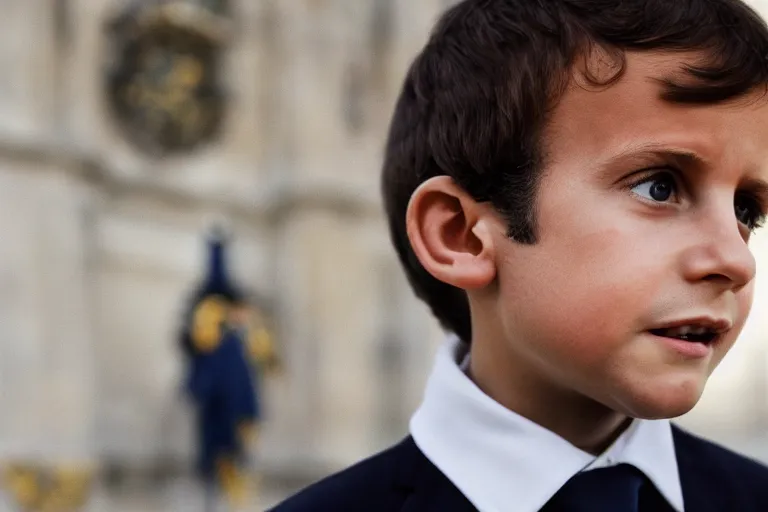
[{"x": 600, "y": 123}]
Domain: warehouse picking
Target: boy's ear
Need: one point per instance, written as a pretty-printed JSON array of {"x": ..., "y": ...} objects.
[{"x": 451, "y": 234}]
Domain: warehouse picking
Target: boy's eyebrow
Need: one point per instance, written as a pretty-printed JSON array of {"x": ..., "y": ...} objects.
[
  {"x": 680, "y": 156},
  {"x": 654, "y": 151},
  {"x": 649, "y": 155}
]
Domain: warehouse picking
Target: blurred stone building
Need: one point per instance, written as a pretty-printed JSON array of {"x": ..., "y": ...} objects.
[{"x": 102, "y": 226}]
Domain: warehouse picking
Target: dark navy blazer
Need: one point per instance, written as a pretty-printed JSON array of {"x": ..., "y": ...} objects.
[{"x": 402, "y": 479}]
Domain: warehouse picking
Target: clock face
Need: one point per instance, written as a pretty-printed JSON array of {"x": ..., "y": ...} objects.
[{"x": 163, "y": 87}]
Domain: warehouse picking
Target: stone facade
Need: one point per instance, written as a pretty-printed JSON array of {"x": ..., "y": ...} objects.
[{"x": 101, "y": 243}]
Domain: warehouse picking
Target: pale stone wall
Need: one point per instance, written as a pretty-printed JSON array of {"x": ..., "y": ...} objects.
[
  {"x": 46, "y": 355},
  {"x": 296, "y": 175},
  {"x": 28, "y": 57}
]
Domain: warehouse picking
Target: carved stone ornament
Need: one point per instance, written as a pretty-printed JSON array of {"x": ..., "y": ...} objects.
[{"x": 162, "y": 80}]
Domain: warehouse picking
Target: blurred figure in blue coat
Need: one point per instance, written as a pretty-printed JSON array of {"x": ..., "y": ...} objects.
[{"x": 220, "y": 379}]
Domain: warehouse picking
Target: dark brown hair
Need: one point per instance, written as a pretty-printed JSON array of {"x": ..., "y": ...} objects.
[{"x": 475, "y": 100}]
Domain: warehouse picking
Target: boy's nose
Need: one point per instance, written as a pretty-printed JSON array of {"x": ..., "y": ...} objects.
[{"x": 720, "y": 254}]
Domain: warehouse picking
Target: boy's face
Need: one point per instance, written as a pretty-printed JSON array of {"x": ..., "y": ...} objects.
[{"x": 618, "y": 257}]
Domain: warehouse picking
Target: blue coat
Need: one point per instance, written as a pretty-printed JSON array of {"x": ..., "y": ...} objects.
[
  {"x": 402, "y": 479},
  {"x": 223, "y": 389}
]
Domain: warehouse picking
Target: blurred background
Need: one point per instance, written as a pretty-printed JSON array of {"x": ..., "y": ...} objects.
[{"x": 128, "y": 130}]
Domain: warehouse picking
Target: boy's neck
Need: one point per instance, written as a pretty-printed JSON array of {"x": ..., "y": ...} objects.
[{"x": 585, "y": 423}]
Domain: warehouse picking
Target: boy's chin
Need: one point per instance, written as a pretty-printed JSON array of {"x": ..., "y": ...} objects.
[{"x": 661, "y": 402}]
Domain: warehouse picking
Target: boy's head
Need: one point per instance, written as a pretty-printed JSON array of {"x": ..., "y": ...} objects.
[{"x": 582, "y": 175}]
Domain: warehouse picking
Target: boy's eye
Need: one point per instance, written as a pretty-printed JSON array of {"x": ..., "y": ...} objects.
[
  {"x": 749, "y": 212},
  {"x": 660, "y": 187}
]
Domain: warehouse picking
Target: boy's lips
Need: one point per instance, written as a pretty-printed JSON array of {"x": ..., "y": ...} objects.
[
  {"x": 694, "y": 336},
  {"x": 715, "y": 325}
]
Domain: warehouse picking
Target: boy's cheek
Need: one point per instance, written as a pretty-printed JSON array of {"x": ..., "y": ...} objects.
[
  {"x": 744, "y": 300},
  {"x": 584, "y": 326}
]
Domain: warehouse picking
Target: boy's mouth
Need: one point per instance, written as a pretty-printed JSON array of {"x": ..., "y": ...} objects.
[
  {"x": 700, "y": 331},
  {"x": 687, "y": 333}
]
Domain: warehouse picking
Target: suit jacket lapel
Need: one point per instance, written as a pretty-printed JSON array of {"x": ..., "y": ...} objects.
[
  {"x": 437, "y": 497},
  {"x": 428, "y": 489},
  {"x": 702, "y": 490}
]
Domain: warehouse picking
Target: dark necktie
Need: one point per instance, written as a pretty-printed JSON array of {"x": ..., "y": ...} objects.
[{"x": 613, "y": 489}]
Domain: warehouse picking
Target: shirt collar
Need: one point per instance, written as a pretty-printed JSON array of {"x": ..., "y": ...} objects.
[{"x": 496, "y": 457}]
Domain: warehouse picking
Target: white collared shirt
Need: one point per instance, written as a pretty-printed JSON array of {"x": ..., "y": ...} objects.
[{"x": 503, "y": 462}]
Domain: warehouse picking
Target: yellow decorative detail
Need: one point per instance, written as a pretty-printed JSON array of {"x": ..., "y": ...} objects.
[
  {"x": 207, "y": 321},
  {"x": 187, "y": 72},
  {"x": 248, "y": 432},
  {"x": 260, "y": 345},
  {"x": 234, "y": 482},
  {"x": 38, "y": 488},
  {"x": 21, "y": 482}
]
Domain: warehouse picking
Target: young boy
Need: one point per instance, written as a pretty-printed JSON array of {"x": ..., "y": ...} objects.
[{"x": 571, "y": 186}]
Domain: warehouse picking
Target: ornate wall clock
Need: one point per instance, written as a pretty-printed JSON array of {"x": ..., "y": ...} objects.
[{"x": 162, "y": 80}]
